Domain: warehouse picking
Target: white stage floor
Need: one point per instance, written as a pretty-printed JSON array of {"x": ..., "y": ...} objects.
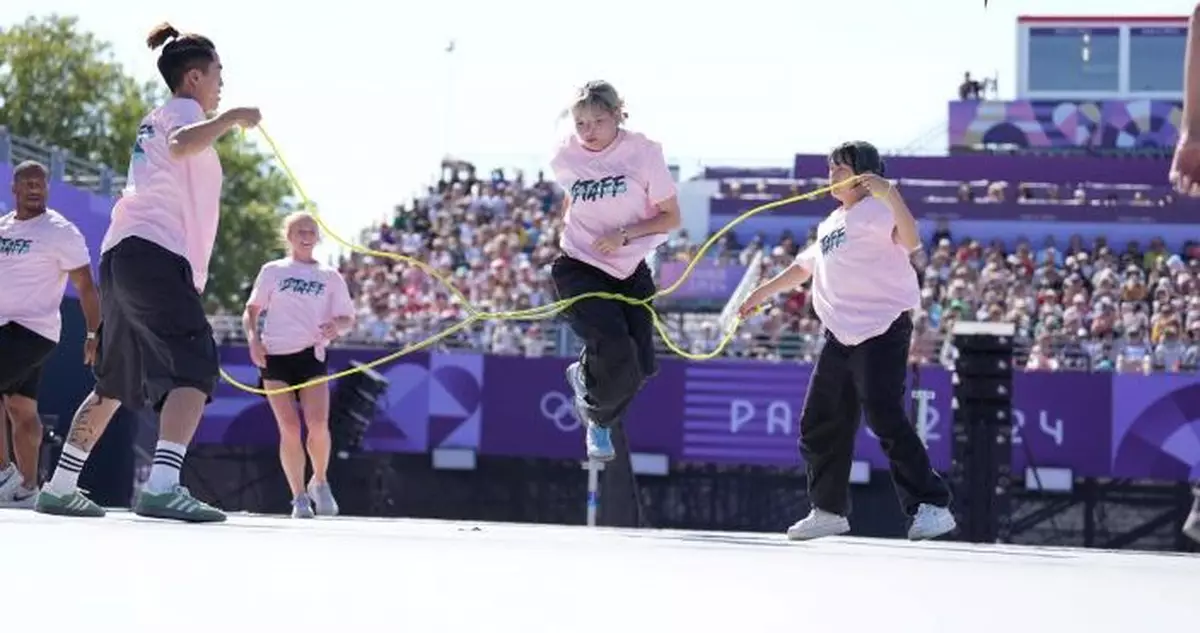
[{"x": 260, "y": 574}]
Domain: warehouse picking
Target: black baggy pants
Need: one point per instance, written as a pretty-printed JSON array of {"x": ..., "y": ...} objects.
[
  {"x": 850, "y": 379},
  {"x": 618, "y": 353}
]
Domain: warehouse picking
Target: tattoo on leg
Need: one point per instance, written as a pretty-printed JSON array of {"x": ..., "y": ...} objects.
[{"x": 90, "y": 421}]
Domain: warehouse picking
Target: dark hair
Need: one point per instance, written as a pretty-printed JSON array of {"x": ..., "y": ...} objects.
[
  {"x": 183, "y": 52},
  {"x": 860, "y": 156},
  {"x": 26, "y": 167}
]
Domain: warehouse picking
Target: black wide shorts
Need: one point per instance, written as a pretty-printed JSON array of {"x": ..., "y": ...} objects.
[{"x": 154, "y": 335}]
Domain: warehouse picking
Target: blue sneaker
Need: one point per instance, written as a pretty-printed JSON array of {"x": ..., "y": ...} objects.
[{"x": 599, "y": 442}]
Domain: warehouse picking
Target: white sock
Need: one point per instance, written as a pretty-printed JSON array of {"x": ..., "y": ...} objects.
[
  {"x": 164, "y": 474},
  {"x": 66, "y": 474}
]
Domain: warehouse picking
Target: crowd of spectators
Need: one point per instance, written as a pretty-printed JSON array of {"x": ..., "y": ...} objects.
[
  {"x": 1077, "y": 306},
  {"x": 492, "y": 237}
]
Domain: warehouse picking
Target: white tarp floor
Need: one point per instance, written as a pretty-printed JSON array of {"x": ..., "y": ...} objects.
[{"x": 260, "y": 574}]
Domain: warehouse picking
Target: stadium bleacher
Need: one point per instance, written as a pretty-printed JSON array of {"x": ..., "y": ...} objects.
[{"x": 1080, "y": 304}]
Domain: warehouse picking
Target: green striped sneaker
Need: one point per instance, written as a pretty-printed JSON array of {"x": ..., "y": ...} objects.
[
  {"x": 177, "y": 504},
  {"x": 72, "y": 504}
]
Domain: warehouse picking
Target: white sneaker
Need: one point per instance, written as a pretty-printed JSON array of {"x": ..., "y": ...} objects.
[
  {"x": 10, "y": 480},
  {"x": 1192, "y": 526},
  {"x": 818, "y": 524},
  {"x": 22, "y": 499},
  {"x": 931, "y": 522}
]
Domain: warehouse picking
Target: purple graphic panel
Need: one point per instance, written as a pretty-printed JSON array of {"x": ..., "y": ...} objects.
[
  {"x": 1124, "y": 124},
  {"x": 528, "y": 409},
  {"x": 87, "y": 210},
  {"x": 423, "y": 408},
  {"x": 737, "y": 412},
  {"x": 1156, "y": 426}
]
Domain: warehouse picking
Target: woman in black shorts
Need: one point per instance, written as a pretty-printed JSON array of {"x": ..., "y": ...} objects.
[{"x": 301, "y": 305}]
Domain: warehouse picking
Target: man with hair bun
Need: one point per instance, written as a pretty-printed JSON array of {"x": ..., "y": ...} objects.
[{"x": 156, "y": 345}]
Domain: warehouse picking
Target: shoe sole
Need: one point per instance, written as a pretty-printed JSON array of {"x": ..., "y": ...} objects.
[
  {"x": 603, "y": 458},
  {"x": 796, "y": 536},
  {"x": 942, "y": 530},
  {"x": 57, "y": 512},
  {"x": 184, "y": 518}
]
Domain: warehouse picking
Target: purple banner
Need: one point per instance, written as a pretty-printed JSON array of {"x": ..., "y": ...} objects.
[
  {"x": 87, "y": 210},
  {"x": 738, "y": 412},
  {"x": 748, "y": 412},
  {"x": 709, "y": 280},
  {"x": 1123, "y": 124},
  {"x": 1014, "y": 169}
]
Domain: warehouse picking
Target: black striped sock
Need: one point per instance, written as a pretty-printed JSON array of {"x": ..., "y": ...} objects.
[
  {"x": 66, "y": 474},
  {"x": 71, "y": 462},
  {"x": 168, "y": 460},
  {"x": 168, "y": 457}
]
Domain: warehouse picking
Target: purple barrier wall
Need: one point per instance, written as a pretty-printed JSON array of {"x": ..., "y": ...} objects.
[
  {"x": 1058, "y": 169},
  {"x": 87, "y": 210},
  {"x": 717, "y": 172},
  {"x": 1178, "y": 213},
  {"x": 737, "y": 412},
  {"x": 1007, "y": 222},
  {"x": 1118, "y": 124}
]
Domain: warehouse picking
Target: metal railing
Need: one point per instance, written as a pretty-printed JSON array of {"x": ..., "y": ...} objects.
[
  {"x": 64, "y": 168},
  {"x": 696, "y": 333}
]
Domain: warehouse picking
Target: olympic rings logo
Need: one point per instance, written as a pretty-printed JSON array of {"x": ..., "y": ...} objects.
[{"x": 559, "y": 410}]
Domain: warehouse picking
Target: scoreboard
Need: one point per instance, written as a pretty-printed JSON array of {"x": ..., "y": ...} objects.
[{"x": 1090, "y": 57}]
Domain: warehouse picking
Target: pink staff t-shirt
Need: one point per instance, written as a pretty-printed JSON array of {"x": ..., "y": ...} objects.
[
  {"x": 297, "y": 298},
  {"x": 173, "y": 202},
  {"x": 608, "y": 190},
  {"x": 35, "y": 257},
  {"x": 862, "y": 280}
]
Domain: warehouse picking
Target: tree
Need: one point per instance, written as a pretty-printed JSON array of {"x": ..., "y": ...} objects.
[
  {"x": 60, "y": 86},
  {"x": 253, "y": 201}
]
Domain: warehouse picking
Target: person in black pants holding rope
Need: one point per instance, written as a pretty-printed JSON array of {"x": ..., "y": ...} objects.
[{"x": 863, "y": 290}]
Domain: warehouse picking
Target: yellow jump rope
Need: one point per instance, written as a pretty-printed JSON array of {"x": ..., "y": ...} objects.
[{"x": 533, "y": 314}]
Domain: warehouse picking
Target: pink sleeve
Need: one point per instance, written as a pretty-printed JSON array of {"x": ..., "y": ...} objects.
[
  {"x": 880, "y": 217},
  {"x": 558, "y": 164},
  {"x": 660, "y": 184},
  {"x": 264, "y": 286},
  {"x": 72, "y": 250},
  {"x": 340, "y": 303},
  {"x": 807, "y": 258},
  {"x": 181, "y": 112}
]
